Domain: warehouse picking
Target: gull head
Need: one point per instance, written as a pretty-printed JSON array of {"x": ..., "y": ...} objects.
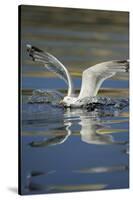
[{"x": 68, "y": 101}]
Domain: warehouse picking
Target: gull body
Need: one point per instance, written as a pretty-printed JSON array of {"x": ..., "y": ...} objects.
[{"x": 92, "y": 77}]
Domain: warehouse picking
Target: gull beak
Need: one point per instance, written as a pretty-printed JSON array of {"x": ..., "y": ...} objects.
[{"x": 61, "y": 103}]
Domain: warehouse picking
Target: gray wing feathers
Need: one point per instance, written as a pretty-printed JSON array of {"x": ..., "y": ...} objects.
[
  {"x": 49, "y": 61},
  {"x": 118, "y": 66},
  {"x": 94, "y": 76}
]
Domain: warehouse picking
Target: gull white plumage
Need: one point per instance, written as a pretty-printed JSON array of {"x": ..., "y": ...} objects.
[{"x": 92, "y": 78}]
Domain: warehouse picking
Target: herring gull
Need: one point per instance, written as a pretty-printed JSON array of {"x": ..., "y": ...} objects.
[{"x": 92, "y": 77}]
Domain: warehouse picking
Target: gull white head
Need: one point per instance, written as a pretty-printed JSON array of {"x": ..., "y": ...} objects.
[{"x": 68, "y": 101}]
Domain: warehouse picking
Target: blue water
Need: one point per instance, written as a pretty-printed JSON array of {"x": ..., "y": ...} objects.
[{"x": 50, "y": 83}]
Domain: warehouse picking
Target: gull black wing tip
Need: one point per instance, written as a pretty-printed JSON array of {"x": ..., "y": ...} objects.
[
  {"x": 33, "y": 51},
  {"x": 126, "y": 63},
  {"x": 33, "y": 48}
]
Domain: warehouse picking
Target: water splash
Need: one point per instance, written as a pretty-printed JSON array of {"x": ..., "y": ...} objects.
[
  {"x": 45, "y": 96},
  {"x": 41, "y": 96},
  {"x": 105, "y": 103}
]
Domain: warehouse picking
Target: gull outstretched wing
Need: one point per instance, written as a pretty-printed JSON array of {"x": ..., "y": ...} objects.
[
  {"x": 52, "y": 64},
  {"x": 93, "y": 77}
]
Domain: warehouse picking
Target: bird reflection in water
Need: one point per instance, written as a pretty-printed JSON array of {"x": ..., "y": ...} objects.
[{"x": 89, "y": 122}]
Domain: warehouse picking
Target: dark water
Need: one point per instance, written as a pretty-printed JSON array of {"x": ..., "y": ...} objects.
[{"x": 73, "y": 150}]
